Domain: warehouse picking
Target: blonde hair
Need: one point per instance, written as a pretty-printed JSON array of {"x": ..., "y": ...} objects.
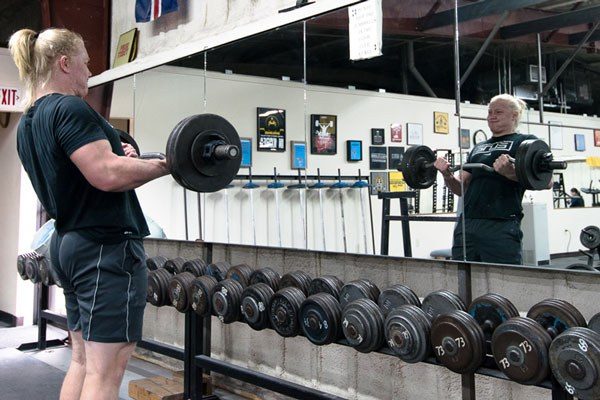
[
  {"x": 516, "y": 104},
  {"x": 35, "y": 53}
]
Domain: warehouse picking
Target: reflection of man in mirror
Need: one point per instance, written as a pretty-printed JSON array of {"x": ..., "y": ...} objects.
[
  {"x": 576, "y": 199},
  {"x": 85, "y": 179},
  {"x": 492, "y": 200}
]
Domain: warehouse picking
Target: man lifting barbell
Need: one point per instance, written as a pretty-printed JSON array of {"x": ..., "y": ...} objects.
[
  {"x": 84, "y": 177},
  {"x": 494, "y": 179}
]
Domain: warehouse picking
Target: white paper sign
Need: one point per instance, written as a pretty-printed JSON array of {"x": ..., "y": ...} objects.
[
  {"x": 366, "y": 30},
  {"x": 556, "y": 135}
]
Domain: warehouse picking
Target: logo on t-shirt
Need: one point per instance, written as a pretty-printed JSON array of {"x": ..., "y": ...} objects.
[{"x": 487, "y": 148}]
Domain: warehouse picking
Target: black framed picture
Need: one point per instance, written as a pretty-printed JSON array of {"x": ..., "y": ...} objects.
[
  {"x": 323, "y": 134},
  {"x": 353, "y": 150},
  {"x": 271, "y": 129},
  {"x": 377, "y": 136},
  {"x": 395, "y": 154},
  {"x": 246, "y": 152},
  {"x": 377, "y": 157}
]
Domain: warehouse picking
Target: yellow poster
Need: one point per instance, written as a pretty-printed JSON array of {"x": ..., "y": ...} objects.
[
  {"x": 397, "y": 183},
  {"x": 440, "y": 122}
]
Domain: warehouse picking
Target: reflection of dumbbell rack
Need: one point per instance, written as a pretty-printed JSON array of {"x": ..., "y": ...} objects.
[
  {"x": 558, "y": 191},
  {"x": 594, "y": 193},
  {"x": 448, "y": 195}
]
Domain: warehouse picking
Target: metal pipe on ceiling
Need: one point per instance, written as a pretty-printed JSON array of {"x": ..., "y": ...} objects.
[{"x": 415, "y": 71}]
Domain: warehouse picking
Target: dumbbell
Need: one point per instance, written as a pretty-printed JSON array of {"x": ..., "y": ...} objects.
[
  {"x": 154, "y": 263},
  {"x": 326, "y": 284},
  {"x": 226, "y": 300},
  {"x": 218, "y": 270},
  {"x": 196, "y": 267},
  {"x": 266, "y": 275},
  {"x": 461, "y": 339},
  {"x": 21, "y": 258},
  {"x": 203, "y": 287},
  {"x": 320, "y": 318},
  {"x": 285, "y": 310},
  {"x": 255, "y": 305},
  {"x": 240, "y": 273},
  {"x": 358, "y": 289},
  {"x": 520, "y": 345},
  {"x": 534, "y": 165},
  {"x": 180, "y": 291},
  {"x": 590, "y": 237},
  {"x": 158, "y": 287},
  {"x": 408, "y": 328},
  {"x": 202, "y": 152},
  {"x": 299, "y": 279}
]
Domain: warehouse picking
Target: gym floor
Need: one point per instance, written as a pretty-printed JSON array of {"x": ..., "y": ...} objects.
[{"x": 46, "y": 369}]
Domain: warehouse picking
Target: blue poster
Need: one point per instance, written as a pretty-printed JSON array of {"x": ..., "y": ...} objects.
[
  {"x": 579, "y": 142},
  {"x": 298, "y": 155},
  {"x": 353, "y": 150},
  {"x": 246, "y": 153}
]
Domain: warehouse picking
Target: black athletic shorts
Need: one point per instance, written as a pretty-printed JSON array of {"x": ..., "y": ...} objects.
[
  {"x": 496, "y": 241},
  {"x": 104, "y": 286}
]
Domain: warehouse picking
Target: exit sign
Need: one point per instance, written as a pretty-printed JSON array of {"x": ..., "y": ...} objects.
[{"x": 10, "y": 98}]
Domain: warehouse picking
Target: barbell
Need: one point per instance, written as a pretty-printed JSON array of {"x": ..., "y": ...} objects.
[
  {"x": 534, "y": 165},
  {"x": 202, "y": 152}
]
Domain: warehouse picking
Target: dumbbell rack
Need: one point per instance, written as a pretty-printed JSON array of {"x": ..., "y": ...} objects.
[{"x": 196, "y": 353}]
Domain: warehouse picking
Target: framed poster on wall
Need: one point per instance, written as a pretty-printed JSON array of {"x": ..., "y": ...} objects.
[
  {"x": 440, "y": 122},
  {"x": 246, "y": 152},
  {"x": 579, "y": 142},
  {"x": 378, "y": 182},
  {"x": 323, "y": 134},
  {"x": 377, "y": 157},
  {"x": 556, "y": 135},
  {"x": 464, "y": 140},
  {"x": 298, "y": 154},
  {"x": 395, "y": 156},
  {"x": 271, "y": 129},
  {"x": 396, "y": 132},
  {"x": 414, "y": 134},
  {"x": 597, "y": 137},
  {"x": 353, "y": 150},
  {"x": 377, "y": 136}
]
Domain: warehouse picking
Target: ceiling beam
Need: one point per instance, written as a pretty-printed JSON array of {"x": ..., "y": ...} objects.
[
  {"x": 476, "y": 10},
  {"x": 582, "y": 16},
  {"x": 578, "y": 37}
]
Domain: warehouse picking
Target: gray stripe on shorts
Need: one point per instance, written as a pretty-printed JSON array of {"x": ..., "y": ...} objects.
[
  {"x": 95, "y": 292},
  {"x": 128, "y": 294}
]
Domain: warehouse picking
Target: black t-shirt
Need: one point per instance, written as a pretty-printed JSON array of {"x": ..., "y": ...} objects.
[
  {"x": 48, "y": 133},
  {"x": 491, "y": 195}
]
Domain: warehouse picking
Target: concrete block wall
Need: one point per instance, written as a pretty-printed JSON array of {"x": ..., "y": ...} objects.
[{"x": 342, "y": 370}]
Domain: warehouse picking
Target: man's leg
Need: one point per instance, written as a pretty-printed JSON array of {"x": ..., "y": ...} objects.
[
  {"x": 104, "y": 369},
  {"x": 71, "y": 387},
  {"x": 502, "y": 241}
]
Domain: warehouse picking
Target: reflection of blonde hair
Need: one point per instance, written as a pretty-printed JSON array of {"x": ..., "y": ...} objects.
[
  {"x": 34, "y": 54},
  {"x": 516, "y": 104}
]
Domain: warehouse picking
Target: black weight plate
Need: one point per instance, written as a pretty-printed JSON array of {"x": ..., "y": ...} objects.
[
  {"x": 240, "y": 273},
  {"x": 184, "y": 153},
  {"x": 520, "y": 349},
  {"x": 21, "y": 266},
  {"x": 594, "y": 323},
  {"x": 255, "y": 305},
  {"x": 299, "y": 279},
  {"x": 320, "y": 318},
  {"x": 590, "y": 237},
  {"x": 196, "y": 267},
  {"x": 458, "y": 342},
  {"x": 284, "y": 311},
  {"x": 266, "y": 275},
  {"x": 218, "y": 270},
  {"x": 575, "y": 362},
  {"x": 415, "y": 174},
  {"x": 226, "y": 299},
  {"x": 362, "y": 325},
  {"x": 154, "y": 263},
  {"x": 32, "y": 269},
  {"x": 358, "y": 289},
  {"x": 527, "y": 165},
  {"x": 127, "y": 138},
  {"x": 180, "y": 291},
  {"x": 326, "y": 284},
  {"x": 396, "y": 296},
  {"x": 407, "y": 332},
  {"x": 174, "y": 265},
  {"x": 202, "y": 290},
  {"x": 47, "y": 276},
  {"x": 491, "y": 310},
  {"x": 441, "y": 302},
  {"x": 556, "y": 316}
]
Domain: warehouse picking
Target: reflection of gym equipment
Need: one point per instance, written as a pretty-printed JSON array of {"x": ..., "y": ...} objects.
[
  {"x": 534, "y": 165},
  {"x": 251, "y": 186},
  {"x": 360, "y": 184},
  {"x": 386, "y": 217},
  {"x": 301, "y": 186},
  {"x": 339, "y": 185},
  {"x": 558, "y": 191},
  {"x": 590, "y": 238},
  {"x": 275, "y": 185},
  {"x": 594, "y": 193},
  {"x": 319, "y": 186}
]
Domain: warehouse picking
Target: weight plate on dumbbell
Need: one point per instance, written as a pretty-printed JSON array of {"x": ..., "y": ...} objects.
[
  {"x": 556, "y": 316},
  {"x": 590, "y": 237},
  {"x": 528, "y": 165},
  {"x": 520, "y": 349},
  {"x": 299, "y": 279},
  {"x": 491, "y": 310},
  {"x": 174, "y": 265},
  {"x": 196, "y": 267},
  {"x": 441, "y": 302},
  {"x": 240, "y": 273},
  {"x": 266, "y": 275},
  {"x": 226, "y": 299},
  {"x": 407, "y": 331},
  {"x": 32, "y": 269},
  {"x": 179, "y": 290},
  {"x": 284, "y": 311},
  {"x": 202, "y": 290},
  {"x": 191, "y": 153},
  {"x": 414, "y": 170},
  {"x": 154, "y": 263},
  {"x": 21, "y": 266},
  {"x": 255, "y": 305},
  {"x": 358, "y": 289},
  {"x": 458, "y": 342},
  {"x": 575, "y": 362},
  {"x": 396, "y": 296},
  {"x": 326, "y": 284},
  {"x": 320, "y": 318},
  {"x": 362, "y": 325},
  {"x": 158, "y": 286},
  {"x": 127, "y": 138},
  {"x": 594, "y": 323},
  {"x": 218, "y": 270}
]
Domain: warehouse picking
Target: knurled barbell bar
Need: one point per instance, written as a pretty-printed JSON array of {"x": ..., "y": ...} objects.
[
  {"x": 534, "y": 165},
  {"x": 202, "y": 152}
]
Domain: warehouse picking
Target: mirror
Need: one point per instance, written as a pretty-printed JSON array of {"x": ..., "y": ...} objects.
[{"x": 360, "y": 116}]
